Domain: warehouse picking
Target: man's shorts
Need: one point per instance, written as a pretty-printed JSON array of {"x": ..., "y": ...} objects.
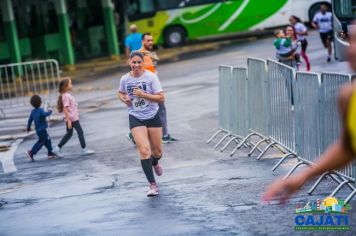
[
  {"x": 155, "y": 122},
  {"x": 326, "y": 36}
]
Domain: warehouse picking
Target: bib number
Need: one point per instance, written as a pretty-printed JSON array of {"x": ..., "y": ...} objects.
[{"x": 139, "y": 104}]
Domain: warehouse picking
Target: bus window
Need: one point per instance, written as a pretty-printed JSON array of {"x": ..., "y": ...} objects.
[
  {"x": 172, "y": 4},
  {"x": 140, "y": 9},
  {"x": 140, "y": 6},
  {"x": 346, "y": 9}
]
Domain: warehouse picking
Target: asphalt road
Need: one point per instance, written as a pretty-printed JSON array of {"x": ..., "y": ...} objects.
[{"x": 202, "y": 191}]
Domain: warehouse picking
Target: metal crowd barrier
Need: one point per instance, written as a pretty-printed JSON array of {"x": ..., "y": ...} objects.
[
  {"x": 281, "y": 104},
  {"x": 18, "y": 81},
  {"x": 238, "y": 110},
  {"x": 225, "y": 78},
  {"x": 306, "y": 93},
  {"x": 307, "y": 115},
  {"x": 294, "y": 112},
  {"x": 331, "y": 83},
  {"x": 258, "y": 118}
]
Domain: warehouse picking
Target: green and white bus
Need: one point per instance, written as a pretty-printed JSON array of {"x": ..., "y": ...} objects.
[
  {"x": 344, "y": 12},
  {"x": 173, "y": 22}
]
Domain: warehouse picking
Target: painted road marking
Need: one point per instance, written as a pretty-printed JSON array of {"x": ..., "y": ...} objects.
[{"x": 7, "y": 158}]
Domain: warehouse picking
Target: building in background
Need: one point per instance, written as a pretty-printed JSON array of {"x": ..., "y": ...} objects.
[{"x": 65, "y": 30}]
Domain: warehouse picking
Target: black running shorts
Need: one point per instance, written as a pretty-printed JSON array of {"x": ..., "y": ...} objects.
[
  {"x": 155, "y": 122},
  {"x": 326, "y": 36}
]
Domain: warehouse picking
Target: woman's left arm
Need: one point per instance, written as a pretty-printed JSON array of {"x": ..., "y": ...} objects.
[{"x": 158, "y": 97}]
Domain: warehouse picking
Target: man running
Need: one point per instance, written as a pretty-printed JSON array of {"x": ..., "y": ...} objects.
[
  {"x": 339, "y": 154},
  {"x": 150, "y": 63},
  {"x": 323, "y": 21}
]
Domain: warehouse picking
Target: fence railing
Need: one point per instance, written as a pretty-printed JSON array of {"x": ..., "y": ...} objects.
[
  {"x": 293, "y": 112},
  {"x": 18, "y": 81}
]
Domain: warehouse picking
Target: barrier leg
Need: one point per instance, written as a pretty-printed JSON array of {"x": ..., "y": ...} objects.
[
  {"x": 265, "y": 150},
  {"x": 213, "y": 136},
  {"x": 228, "y": 143},
  {"x": 256, "y": 146},
  {"x": 350, "y": 186},
  {"x": 339, "y": 187},
  {"x": 238, "y": 147},
  {"x": 248, "y": 145},
  {"x": 221, "y": 140},
  {"x": 251, "y": 145},
  {"x": 282, "y": 160},
  {"x": 293, "y": 169},
  {"x": 243, "y": 142},
  {"x": 311, "y": 190},
  {"x": 336, "y": 179},
  {"x": 350, "y": 196},
  {"x": 237, "y": 140},
  {"x": 281, "y": 150}
]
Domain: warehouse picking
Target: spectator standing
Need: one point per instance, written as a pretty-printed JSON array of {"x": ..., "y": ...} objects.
[{"x": 133, "y": 41}]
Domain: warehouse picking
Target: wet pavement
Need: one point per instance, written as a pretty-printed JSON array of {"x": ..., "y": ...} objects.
[{"x": 202, "y": 191}]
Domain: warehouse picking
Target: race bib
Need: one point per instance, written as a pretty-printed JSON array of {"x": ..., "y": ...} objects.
[{"x": 139, "y": 104}]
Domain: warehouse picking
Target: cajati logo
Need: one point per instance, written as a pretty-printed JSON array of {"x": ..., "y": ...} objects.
[{"x": 328, "y": 214}]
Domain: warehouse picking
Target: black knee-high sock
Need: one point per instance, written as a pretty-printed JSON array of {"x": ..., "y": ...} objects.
[
  {"x": 155, "y": 160},
  {"x": 147, "y": 168}
]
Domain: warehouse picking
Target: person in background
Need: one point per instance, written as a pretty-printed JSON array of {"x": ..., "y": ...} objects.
[
  {"x": 295, "y": 44},
  {"x": 150, "y": 63},
  {"x": 302, "y": 32},
  {"x": 67, "y": 104},
  {"x": 133, "y": 41},
  {"x": 323, "y": 21},
  {"x": 38, "y": 116},
  {"x": 283, "y": 45}
]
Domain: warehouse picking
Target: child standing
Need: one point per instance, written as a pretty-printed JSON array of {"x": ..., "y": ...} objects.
[
  {"x": 38, "y": 116},
  {"x": 67, "y": 104}
]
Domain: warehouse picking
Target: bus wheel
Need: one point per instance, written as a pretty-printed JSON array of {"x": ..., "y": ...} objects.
[{"x": 174, "y": 36}]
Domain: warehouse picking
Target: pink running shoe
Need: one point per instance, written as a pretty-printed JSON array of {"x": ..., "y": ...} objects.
[
  {"x": 158, "y": 170},
  {"x": 153, "y": 190}
]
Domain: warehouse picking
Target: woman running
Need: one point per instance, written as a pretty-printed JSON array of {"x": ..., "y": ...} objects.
[
  {"x": 302, "y": 32},
  {"x": 141, "y": 91},
  {"x": 295, "y": 45}
]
